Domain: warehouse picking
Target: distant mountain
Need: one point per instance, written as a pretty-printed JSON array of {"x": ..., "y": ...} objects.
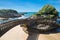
[{"x": 8, "y": 13}]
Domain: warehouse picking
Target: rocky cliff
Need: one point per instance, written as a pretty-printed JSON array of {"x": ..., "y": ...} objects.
[{"x": 8, "y": 13}]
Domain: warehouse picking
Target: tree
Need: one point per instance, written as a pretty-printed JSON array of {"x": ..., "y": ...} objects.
[{"x": 48, "y": 9}]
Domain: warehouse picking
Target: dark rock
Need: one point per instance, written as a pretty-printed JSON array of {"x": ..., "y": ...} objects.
[{"x": 8, "y": 13}]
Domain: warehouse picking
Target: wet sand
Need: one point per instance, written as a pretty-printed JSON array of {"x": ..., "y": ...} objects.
[{"x": 17, "y": 33}]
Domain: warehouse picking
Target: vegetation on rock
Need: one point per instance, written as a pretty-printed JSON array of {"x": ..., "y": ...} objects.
[
  {"x": 48, "y": 9},
  {"x": 8, "y": 13},
  {"x": 45, "y": 18}
]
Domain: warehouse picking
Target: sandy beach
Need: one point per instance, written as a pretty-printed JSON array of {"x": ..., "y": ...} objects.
[{"x": 17, "y": 33}]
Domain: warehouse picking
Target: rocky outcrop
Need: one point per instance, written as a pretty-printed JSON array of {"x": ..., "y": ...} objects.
[
  {"x": 45, "y": 19},
  {"x": 8, "y": 13}
]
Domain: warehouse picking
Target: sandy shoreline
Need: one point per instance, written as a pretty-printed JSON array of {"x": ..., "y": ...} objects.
[{"x": 17, "y": 33}]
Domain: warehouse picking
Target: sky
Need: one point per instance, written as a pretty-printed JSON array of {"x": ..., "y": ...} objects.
[{"x": 28, "y": 5}]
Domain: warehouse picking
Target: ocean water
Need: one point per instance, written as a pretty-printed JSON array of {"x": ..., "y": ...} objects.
[
  {"x": 28, "y": 14},
  {"x": 59, "y": 14}
]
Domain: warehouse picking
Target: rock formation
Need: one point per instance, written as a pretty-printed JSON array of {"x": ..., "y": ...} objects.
[
  {"x": 8, "y": 13},
  {"x": 45, "y": 19}
]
